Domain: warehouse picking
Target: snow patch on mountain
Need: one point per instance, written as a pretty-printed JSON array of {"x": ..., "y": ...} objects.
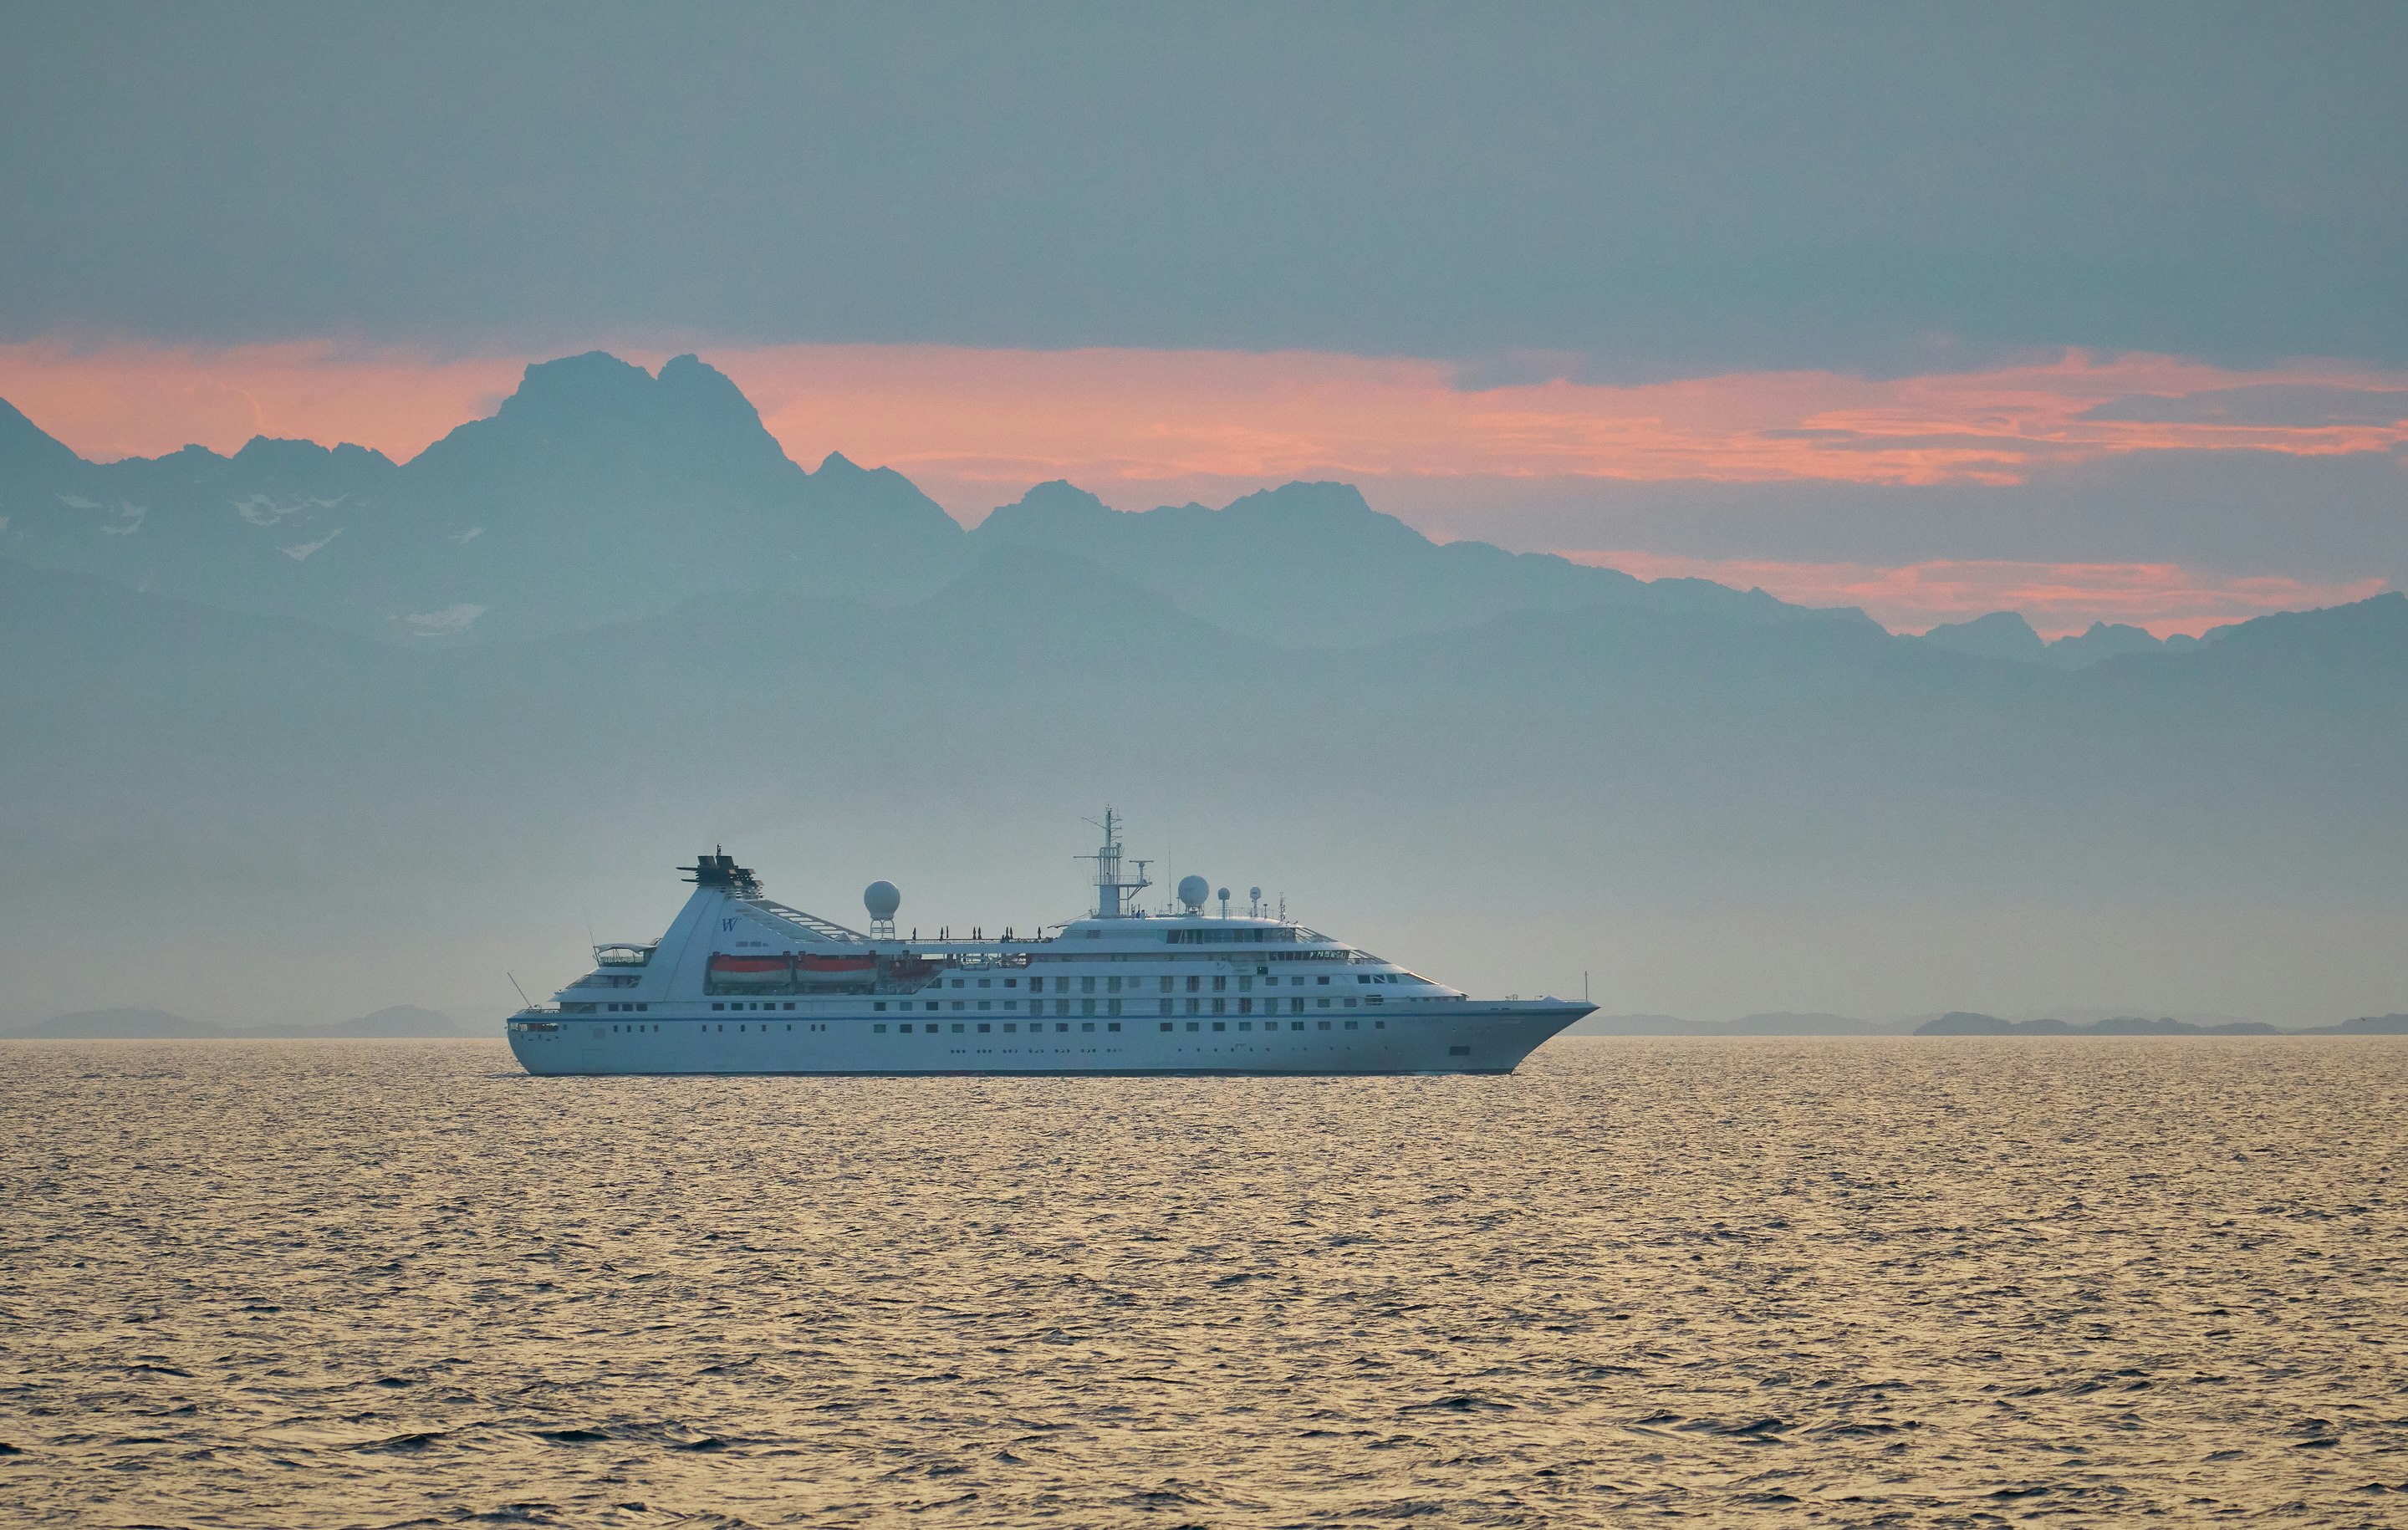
[
  {"x": 301, "y": 553},
  {"x": 260, "y": 510},
  {"x": 449, "y": 620}
]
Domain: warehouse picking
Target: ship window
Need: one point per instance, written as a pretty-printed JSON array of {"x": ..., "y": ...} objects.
[
  {"x": 1379, "y": 1024},
  {"x": 1088, "y": 1025},
  {"x": 1194, "y": 1026},
  {"x": 881, "y": 1008},
  {"x": 1011, "y": 1004},
  {"x": 1295, "y": 1007},
  {"x": 1246, "y": 1025},
  {"x": 1086, "y": 1006},
  {"x": 1010, "y": 1029},
  {"x": 1112, "y": 1025},
  {"x": 907, "y": 1027},
  {"x": 1245, "y": 985},
  {"x": 1220, "y": 1024},
  {"x": 1194, "y": 983},
  {"x": 932, "y": 1004},
  {"x": 880, "y": 1029},
  {"x": 958, "y": 1029},
  {"x": 1166, "y": 1006},
  {"x": 644, "y": 1009},
  {"x": 718, "y": 1006},
  {"x": 957, "y": 982},
  {"x": 984, "y": 1027},
  {"x": 1113, "y": 1006},
  {"x": 1086, "y": 985},
  {"x": 1320, "y": 1003},
  {"x": 1323, "y": 979},
  {"x": 1220, "y": 1006},
  {"x": 986, "y": 1004},
  {"x": 1245, "y": 1006},
  {"x": 1191, "y": 1006},
  {"x": 1324, "y": 1024},
  {"x": 1350, "y": 1024},
  {"x": 986, "y": 982},
  {"x": 1165, "y": 1024},
  {"x": 1060, "y": 1027},
  {"x": 1012, "y": 982},
  {"x": 1220, "y": 985},
  {"x": 1350, "y": 1001},
  {"x": 1061, "y": 1007},
  {"x": 790, "y": 1009},
  {"x": 959, "y": 1004}
]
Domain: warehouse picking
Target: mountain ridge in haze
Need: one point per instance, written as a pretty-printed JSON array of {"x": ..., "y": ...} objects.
[
  {"x": 598, "y": 491},
  {"x": 262, "y": 790}
]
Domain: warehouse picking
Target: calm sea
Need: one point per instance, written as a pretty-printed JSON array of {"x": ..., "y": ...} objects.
[{"x": 1830, "y": 1282}]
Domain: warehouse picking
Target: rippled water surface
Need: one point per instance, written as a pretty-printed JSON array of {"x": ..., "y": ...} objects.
[{"x": 1846, "y": 1282}]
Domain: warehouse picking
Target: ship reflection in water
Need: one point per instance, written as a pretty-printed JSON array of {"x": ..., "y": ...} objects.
[{"x": 295, "y": 1284}]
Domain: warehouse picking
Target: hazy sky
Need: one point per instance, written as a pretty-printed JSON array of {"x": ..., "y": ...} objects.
[{"x": 2057, "y": 301}]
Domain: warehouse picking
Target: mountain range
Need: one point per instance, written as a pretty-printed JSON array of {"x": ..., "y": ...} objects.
[
  {"x": 301, "y": 723},
  {"x": 599, "y": 492}
]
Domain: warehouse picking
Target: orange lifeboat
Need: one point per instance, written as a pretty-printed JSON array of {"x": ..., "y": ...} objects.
[{"x": 751, "y": 971}]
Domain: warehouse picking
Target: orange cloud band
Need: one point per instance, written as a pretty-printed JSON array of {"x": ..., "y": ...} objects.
[
  {"x": 2056, "y": 598},
  {"x": 976, "y": 427}
]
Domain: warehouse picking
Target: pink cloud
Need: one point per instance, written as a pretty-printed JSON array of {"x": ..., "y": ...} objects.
[
  {"x": 2056, "y": 598},
  {"x": 141, "y": 401},
  {"x": 975, "y": 427}
]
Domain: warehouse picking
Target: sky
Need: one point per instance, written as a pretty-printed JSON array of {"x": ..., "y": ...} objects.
[{"x": 2091, "y": 312}]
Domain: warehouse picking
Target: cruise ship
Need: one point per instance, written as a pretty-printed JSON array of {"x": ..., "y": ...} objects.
[{"x": 743, "y": 984}]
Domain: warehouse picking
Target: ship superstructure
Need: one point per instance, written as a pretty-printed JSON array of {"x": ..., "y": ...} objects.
[{"x": 740, "y": 983}]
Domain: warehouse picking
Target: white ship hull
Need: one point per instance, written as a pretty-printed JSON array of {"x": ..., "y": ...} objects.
[
  {"x": 740, "y": 984},
  {"x": 1460, "y": 1036}
]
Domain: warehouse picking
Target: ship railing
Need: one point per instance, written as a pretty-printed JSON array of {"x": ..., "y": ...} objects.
[{"x": 827, "y": 929}]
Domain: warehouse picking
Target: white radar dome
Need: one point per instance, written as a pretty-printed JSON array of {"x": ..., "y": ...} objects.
[
  {"x": 1193, "y": 891},
  {"x": 881, "y": 900},
  {"x": 1256, "y": 893}
]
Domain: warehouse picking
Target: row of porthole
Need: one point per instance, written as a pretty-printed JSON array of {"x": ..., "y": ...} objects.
[
  {"x": 1036, "y": 1027},
  {"x": 987, "y": 1027}
]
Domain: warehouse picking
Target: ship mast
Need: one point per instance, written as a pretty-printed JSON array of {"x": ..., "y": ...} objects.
[{"x": 1113, "y": 895}]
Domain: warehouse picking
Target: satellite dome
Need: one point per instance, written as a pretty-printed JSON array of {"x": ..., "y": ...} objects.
[
  {"x": 1224, "y": 894},
  {"x": 1193, "y": 891},
  {"x": 881, "y": 900},
  {"x": 1256, "y": 893}
]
